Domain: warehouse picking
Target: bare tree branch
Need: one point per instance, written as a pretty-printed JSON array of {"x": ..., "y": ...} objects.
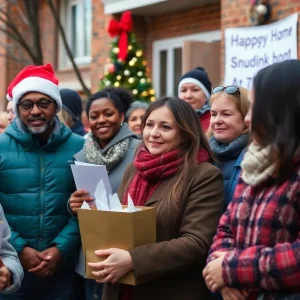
[
  {"x": 56, "y": 17},
  {"x": 32, "y": 8},
  {"x": 13, "y": 32}
]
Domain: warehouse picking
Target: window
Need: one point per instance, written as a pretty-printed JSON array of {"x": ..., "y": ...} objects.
[
  {"x": 77, "y": 21},
  {"x": 167, "y": 61}
]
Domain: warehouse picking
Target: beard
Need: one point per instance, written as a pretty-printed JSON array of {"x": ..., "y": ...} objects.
[{"x": 39, "y": 130}]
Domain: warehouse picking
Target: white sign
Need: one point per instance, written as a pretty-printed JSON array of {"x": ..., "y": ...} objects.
[{"x": 247, "y": 50}]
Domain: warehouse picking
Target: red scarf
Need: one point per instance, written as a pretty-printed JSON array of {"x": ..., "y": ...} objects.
[{"x": 151, "y": 171}]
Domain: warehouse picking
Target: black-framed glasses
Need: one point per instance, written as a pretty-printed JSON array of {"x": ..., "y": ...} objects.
[
  {"x": 41, "y": 104},
  {"x": 230, "y": 89}
]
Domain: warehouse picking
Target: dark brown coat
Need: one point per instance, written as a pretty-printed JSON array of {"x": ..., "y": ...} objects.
[{"x": 172, "y": 268}]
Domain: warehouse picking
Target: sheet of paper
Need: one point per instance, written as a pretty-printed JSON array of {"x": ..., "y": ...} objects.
[
  {"x": 87, "y": 177},
  {"x": 101, "y": 197},
  {"x": 80, "y": 163},
  {"x": 115, "y": 203},
  {"x": 130, "y": 206},
  {"x": 85, "y": 205}
]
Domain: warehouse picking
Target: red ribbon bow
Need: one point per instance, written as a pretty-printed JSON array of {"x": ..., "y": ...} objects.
[{"x": 121, "y": 29}]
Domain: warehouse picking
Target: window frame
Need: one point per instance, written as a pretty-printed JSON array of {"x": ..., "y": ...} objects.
[
  {"x": 66, "y": 17},
  {"x": 170, "y": 45}
]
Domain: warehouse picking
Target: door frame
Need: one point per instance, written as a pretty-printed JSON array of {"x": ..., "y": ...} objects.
[{"x": 169, "y": 45}]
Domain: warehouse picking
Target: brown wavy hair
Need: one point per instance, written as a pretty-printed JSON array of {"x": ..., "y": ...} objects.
[{"x": 193, "y": 139}]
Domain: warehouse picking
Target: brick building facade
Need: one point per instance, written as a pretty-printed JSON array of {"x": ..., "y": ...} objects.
[{"x": 163, "y": 28}]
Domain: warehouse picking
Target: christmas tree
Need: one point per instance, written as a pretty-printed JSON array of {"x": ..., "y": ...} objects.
[{"x": 126, "y": 66}]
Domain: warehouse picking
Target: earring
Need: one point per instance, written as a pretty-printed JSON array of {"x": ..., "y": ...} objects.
[{"x": 121, "y": 124}]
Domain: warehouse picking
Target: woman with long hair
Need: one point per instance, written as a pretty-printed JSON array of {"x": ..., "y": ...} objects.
[
  {"x": 172, "y": 171},
  {"x": 255, "y": 253}
]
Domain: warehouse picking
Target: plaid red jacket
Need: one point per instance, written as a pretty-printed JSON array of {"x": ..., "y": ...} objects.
[{"x": 260, "y": 230}]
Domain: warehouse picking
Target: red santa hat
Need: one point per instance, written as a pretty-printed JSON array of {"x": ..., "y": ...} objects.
[{"x": 34, "y": 79}]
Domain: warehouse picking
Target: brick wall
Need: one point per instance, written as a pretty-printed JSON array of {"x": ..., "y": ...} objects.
[
  {"x": 235, "y": 13},
  {"x": 100, "y": 43}
]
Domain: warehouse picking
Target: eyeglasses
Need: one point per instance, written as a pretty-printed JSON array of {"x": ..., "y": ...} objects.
[
  {"x": 41, "y": 104},
  {"x": 231, "y": 89}
]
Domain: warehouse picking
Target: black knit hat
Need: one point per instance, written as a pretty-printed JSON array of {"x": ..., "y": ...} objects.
[
  {"x": 199, "y": 77},
  {"x": 71, "y": 103}
]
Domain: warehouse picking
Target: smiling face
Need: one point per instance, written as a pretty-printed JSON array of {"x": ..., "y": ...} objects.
[
  {"x": 135, "y": 120},
  {"x": 193, "y": 95},
  {"x": 161, "y": 133},
  {"x": 105, "y": 120},
  {"x": 226, "y": 120},
  {"x": 37, "y": 120}
]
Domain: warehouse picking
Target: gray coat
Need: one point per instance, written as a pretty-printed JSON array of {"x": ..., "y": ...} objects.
[
  {"x": 9, "y": 256},
  {"x": 116, "y": 175}
]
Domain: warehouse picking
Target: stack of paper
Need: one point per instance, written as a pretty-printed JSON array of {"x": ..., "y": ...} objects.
[{"x": 94, "y": 179}]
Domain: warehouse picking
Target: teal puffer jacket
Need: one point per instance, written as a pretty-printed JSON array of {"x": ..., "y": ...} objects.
[{"x": 36, "y": 183}]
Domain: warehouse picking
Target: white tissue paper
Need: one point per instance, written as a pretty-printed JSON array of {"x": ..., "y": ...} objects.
[
  {"x": 85, "y": 205},
  {"x": 109, "y": 202}
]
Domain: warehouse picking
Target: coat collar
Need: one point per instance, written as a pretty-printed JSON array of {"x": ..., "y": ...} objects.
[{"x": 18, "y": 132}]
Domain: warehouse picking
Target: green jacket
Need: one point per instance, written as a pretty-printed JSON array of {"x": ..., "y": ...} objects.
[{"x": 36, "y": 183}]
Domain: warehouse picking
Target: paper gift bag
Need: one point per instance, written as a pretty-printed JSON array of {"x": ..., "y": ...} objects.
[{"x": 109, "y": 229}]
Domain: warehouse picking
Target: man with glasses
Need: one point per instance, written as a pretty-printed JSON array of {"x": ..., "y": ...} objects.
[{"x": 36, "y": 182}]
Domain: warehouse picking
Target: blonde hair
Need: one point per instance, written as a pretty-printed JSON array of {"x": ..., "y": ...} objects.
[
  {"x": 65, "y": 118},
  {"x": 240, "y": 99}
]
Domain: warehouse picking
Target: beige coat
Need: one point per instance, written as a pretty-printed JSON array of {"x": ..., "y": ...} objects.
[{"x": 172, "y": 268}]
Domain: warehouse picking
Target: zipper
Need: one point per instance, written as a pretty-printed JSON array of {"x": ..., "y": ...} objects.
[{"x": 41, "y": 200}]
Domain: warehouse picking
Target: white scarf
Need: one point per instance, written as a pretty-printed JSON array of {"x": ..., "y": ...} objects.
[{"x": 257, "y": 165}]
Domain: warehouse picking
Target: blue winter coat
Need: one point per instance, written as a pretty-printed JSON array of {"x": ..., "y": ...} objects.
[
  {"x": 231, "y": 172},
  {"x": 36, "y": 183}
]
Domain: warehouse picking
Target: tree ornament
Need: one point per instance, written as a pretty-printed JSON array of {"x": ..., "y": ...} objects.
[
  {"x": 126, "y": 72},
  {"x": 131, "y": 80},
  {"x": 115, "y": 50},
  {"x": 117, "y": 84},
  {"x": 111, "y": 68},
  {"x": 107, "y": 83},
  {"x": 135, "y": 92},
  {"x": 140, "y": 73},
  {"x": 139, "y": 53}
]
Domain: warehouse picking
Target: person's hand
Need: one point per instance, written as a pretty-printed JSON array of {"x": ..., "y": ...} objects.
[
  {"x": 29, "y": 258},
  {"x": 5, "y": 276},
  {"x": 77, "y": 198},
  {"x": 233, "y": 294},
  {"x": 213, "y": 272},
  {"x": 50, "y": 260},
  {"x": 116, "y": 265}
]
